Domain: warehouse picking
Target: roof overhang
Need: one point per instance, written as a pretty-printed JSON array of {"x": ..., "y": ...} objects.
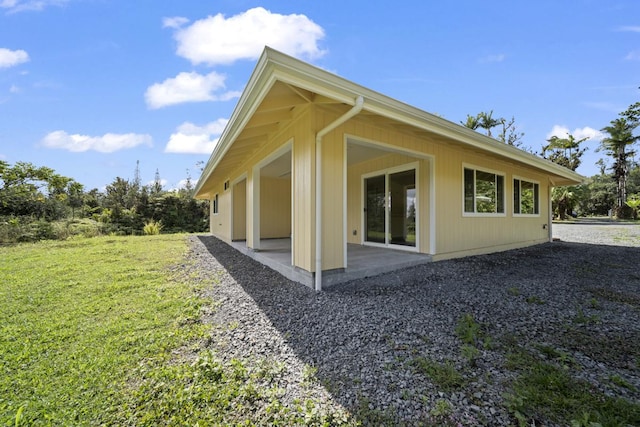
[{"x": 304, "y": 79}]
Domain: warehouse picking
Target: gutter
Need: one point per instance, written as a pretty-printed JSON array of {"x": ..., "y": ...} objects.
[{"x": 359, "y": 104}]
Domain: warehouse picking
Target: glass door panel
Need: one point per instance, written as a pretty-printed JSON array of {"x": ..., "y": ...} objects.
[
  {"x": 402, "y": 208},
  {"x": 375, "y": 209}
]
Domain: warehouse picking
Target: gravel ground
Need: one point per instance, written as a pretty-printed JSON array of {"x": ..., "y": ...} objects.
[{"x": 364, "y": 340}]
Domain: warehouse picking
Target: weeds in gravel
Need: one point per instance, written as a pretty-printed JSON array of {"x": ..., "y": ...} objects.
[
  {"x": 621, "y": 382},
  {"x": 615, "y": 296},
  {"x": 444, "y": 375},
  {"x": 583, "y": 318},
  {"x": 561, "y": 357},
  {"x": 514, "y": 291},
  {"x": 470, "y": 353},
  {"x": 619, "y": 349},
  {"x": 549, "y": 391},
  {"x": 533, "y": 299},
  {"x": 546, "y": 390}
]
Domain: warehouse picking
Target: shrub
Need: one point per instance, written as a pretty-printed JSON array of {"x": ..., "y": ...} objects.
[{"x": 152, "y": 227}]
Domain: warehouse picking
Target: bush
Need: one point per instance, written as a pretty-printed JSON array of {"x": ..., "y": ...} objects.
[{"x": 152, "y": 227}]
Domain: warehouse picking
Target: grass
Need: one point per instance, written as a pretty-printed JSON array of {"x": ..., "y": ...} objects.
[
  {"x": 546, "y": 390},
  {"x": 78, "y": 317},
  {"x": 107, "y": 331},
  {"x": 444, "y": 375}
]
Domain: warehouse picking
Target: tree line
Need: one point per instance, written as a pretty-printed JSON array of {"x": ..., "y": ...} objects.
[
  {"x": 615, "y": 191},
  {"x": 37, "y": 203}
]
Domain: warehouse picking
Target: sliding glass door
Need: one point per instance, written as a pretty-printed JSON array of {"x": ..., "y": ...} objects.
[{"x": 390, "y": 208}]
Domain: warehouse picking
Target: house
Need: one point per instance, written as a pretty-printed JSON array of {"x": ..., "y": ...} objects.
[{"x": 312, "y": 167}]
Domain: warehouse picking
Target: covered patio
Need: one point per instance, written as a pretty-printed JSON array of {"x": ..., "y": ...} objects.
[{"x": 362, "y": 261}]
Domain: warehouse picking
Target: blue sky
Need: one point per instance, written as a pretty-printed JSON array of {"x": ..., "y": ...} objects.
[{"x": 89, "y": 87}]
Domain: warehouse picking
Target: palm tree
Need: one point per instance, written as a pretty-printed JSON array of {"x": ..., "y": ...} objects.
[
  {"x": 564, "y": 151},
  {"x": 486, "y": 121},
  {"x": 471, "y": 123},
  {"x": 617, "y": 145}
]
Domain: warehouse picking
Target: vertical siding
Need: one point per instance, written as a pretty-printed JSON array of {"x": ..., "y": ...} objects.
[
  {"x": 240, "y": 210},
  {"x": 303, "y": 175},
  {"x": 275, "y": 212},
  {"x": 220, "y": 222},
  {"x": 455, "y": 234},
  {"x": 332, "y": 194}
]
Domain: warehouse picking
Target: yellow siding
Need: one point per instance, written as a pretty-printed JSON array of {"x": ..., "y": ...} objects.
[
  {"x": 291, "y": 211},
  {"x": 240, "y": 210},
  {"x": 332, "y": 191},
  {"x": 220, "y": 221},
  {"x": 275, "y": 211},
  {"x": 303, "y": 175}
]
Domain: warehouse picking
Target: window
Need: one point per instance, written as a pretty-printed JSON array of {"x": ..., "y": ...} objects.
[
  {"x": 483, "y": 192},
  {"x": 215, "y": 205},
  {"x": 226, "y": 185},
  {"x": 526, "y": 197}
]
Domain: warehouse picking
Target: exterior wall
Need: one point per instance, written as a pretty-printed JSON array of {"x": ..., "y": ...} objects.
[
  {"x": 275, "y": 208},
  {"x": 303, "y": 203},
  {"x": 240, "y": 210},
  {"x": 456, "y": 234},
  {"x": 220, "y": 222},
  {"x": 465, "y": 235},
  {"x": 332, "y": 192},
  {"x": 355, "y": 196}
]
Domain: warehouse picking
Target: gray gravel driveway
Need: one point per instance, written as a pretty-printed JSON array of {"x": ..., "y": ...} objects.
[{"x": 374, "y": 347}]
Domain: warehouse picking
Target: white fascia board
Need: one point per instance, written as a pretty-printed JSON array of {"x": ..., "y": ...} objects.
[{"x": 303, "y": 75}]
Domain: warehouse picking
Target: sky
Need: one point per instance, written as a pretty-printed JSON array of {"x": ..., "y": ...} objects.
[{"x": 92, "y": 87}]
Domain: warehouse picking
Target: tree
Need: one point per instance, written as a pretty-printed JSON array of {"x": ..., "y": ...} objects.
[
  {"x": 76, "y": 199},
  {"x": 564, "y": 151},
  {"x": 509, "y": 133},
  {"x": 471, "y": 122},
  {"x": 27, "y": 190},
  {"x": 618, "y": 146},
  {"x": 487, "y": 122}
]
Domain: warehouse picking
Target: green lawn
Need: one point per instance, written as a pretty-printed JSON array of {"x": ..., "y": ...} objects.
[
  {"x": 79, "y": 319},
  {"x": 107, "y": 331}
]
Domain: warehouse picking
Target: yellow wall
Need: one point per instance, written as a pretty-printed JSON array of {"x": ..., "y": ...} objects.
[
  {"x": 220, "y": 222},
  {"x": 455, "y": 234},
  {"x": 355, "y": 196},
  {"x": 275, "y": 207},
  {"x": 240, "y": 210}
]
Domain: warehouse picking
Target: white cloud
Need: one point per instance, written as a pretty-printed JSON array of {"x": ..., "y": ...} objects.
[
  {"x": 188, "y": 87},
  {"x": 163, "y": 182},
  {"x": 193, "y": 139},
  {"x": 14, "y": 89},
  {"x": 14, "y": 6},
  {"x": 579, "y": 133},
  {"x": 633, "y": 56},
  {"x": 493, "y": 58},
  {"x": 219, "y": 40},
  {"x": 630, "y": 28},
  {"x": 107, "y": 143},
  {"x": 174, "y": 22},
  {"x": 10, "y": 58}
]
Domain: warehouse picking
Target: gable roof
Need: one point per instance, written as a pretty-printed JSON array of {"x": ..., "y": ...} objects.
[{"x": 299, "y": 82}]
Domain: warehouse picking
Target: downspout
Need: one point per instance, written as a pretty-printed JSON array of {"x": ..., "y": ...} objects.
[{"x": 340, "y": 120}]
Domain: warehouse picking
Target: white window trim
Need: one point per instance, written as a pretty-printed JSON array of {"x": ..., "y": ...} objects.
[
  {"x": 504, "y": 193},
  {"x": 532, "y": 181}
]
